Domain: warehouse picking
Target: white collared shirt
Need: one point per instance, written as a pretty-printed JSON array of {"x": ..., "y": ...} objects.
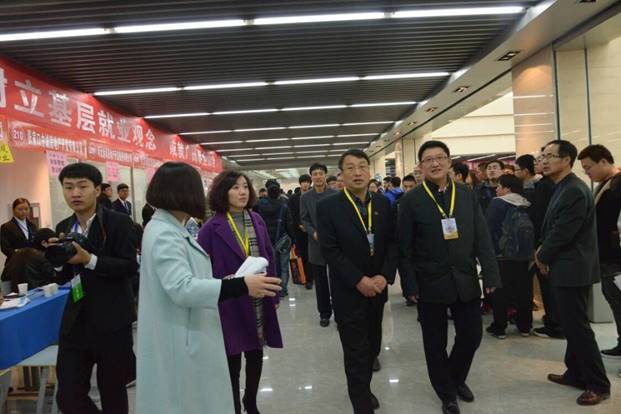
[
  {"x": 78, "y": 229},
  {"x": 23, "y": 225}
]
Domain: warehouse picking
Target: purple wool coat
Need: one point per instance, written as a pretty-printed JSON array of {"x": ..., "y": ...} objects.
[{"x": 237, "y": 315}]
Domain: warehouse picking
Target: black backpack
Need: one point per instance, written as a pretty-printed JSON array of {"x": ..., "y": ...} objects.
[{"x": 517, "y": 241}]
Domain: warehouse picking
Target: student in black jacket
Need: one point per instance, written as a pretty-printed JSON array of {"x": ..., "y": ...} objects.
[
  {"x": 442, "y": 233},
  {"x": 357, "y": 235},
  {"x": 301, "y": 238},
  {"x": 96, "y": 328},
  {"x": 538, "y": 191},
  {"x": 568, "y": 255},
  {"x": 599, "y": 165},
  {"x": 105, "y": 198},
  {"x": 274, "y": 210}
]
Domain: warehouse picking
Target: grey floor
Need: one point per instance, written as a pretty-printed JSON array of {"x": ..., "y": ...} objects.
[{"x": 508, "y": 376}]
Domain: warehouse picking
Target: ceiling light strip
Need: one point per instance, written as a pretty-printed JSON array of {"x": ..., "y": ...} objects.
[{"x": 262, "y": 21}]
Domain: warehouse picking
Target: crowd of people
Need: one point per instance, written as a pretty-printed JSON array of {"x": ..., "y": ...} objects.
[{"x": 462, "y": 241}]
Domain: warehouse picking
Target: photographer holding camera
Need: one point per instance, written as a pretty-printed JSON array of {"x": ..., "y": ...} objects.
[{"x": 98, "y": 257}]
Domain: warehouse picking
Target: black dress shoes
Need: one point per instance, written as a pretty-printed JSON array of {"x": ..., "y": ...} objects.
[
  {"x": 374, "y": 402},
  {"x": 376, "y": 365},
  {"x": 465, "y": 393},
  {"x": 450, "y": 407},
  {"x": 324, "y": 322},
  {"x": 592, "y": 398},
  {"x": 562, "y": 380}
]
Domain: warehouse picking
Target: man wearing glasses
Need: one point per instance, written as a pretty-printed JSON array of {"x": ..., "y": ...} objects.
[
  {"x": 568, "y": 256},
  {"x": 442, "y": 232}
]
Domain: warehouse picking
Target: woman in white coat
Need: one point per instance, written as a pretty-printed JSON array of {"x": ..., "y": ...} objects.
[{"x": 182, "y": 366}]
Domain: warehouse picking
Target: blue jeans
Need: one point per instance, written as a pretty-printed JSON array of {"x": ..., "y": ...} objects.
[{"x": 282, "y": 270}]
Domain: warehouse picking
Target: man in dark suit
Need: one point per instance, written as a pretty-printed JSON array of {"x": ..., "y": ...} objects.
[
  {"x": 442, "y": 232},
  {"x": 356, "y": 231},
  {"x": 97, "y": 322},
  {"x": 121, "y": 204},
  {"x": 568, "y": 255}
]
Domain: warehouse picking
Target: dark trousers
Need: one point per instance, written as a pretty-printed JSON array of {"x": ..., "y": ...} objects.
[
  {"x": 254, "y": 367},
  {"x": 322, "y": 290},
  {"x": 447, "y": 371},
  {"x": 360, "y": 331},
  {"x": 77, "y": 353},
  {"x": 517, "y": 289},
  {"x": 550, "y": 319},
  {"x": 582, "y": 356},
  {"x": 612, "y": 293}
]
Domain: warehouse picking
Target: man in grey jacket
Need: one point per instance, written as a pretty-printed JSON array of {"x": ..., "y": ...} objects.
[{"x": 308, "y": 215}]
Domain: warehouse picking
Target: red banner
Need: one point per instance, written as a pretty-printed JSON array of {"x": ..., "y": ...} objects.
[{"x": 43, "y": 115}]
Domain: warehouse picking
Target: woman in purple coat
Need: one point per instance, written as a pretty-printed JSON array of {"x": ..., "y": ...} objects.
[{"x": 248, "y": 324}]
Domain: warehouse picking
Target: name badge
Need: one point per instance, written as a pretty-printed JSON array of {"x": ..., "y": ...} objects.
[
  {"x": 371, "y": 240},
  {"x": 77, "y": 292},
  {"x": 449, "y": 228}
]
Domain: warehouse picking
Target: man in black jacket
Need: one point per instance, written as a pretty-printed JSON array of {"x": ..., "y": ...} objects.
[
  {"x": 539, "y": 192},
  {"x": 442, "y": 232},
  {"x": 599, "y": 165},
  {"x": 301, "y": 238},
  {"x": 568, "y": 255},
  {"x": 274, "y": 210},
  {"x": 97, "y": 322},
  {"x": 356, "y": 232}
]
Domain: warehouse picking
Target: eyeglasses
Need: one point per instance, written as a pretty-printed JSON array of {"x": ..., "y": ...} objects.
[
  {"x": 440, "y": 159},
  {"x": 549, "y": 156}
]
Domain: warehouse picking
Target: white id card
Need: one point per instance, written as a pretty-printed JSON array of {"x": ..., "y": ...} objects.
[
  {"x": 449, "y": 228},
  {"x": 371, "y": 240}
]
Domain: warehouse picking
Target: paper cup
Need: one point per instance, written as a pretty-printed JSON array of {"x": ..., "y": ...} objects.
[
  {"x": 48, "y": 290},
  {"x": 22, "y": 288}
]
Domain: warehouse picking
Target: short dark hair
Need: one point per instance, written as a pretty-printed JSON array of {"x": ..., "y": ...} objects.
[
  {"x": 395, "y": 181},
  {"x": 330, "y": 178},
  {"x": 305, "y": 178},
  {"x": 409, "y": 177},
  {"x": 177, "y": 186},
  {"x": 499, "y": 162},
  {"x": 526, "y": 162},
  {"x": 566, "y": 149},
  {"x": 19, "y": 201},
  {"x": 512, "y": 183},
  {"x": 262, "y": 190},
  {"x": 596, "y": 153},
  {"x": 219, "y": 191},
  {"x": 105, "y": 186},
  {"x": 121, "y": 186},
  {"x": 43, "y": 235},
  {"x": 461, "y": 169},
  {"x": 318, "y": 166},
  {"x": 81, "y": 170},
  {"x": 354, "y": 152},
  {"x": 433, "y": 144}
]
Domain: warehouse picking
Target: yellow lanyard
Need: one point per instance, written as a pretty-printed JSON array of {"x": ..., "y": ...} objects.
[
  {"x": 245, "y": 241},
  {"x": 436, "y": 202},
  {"x": 368, "y": 228}
]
